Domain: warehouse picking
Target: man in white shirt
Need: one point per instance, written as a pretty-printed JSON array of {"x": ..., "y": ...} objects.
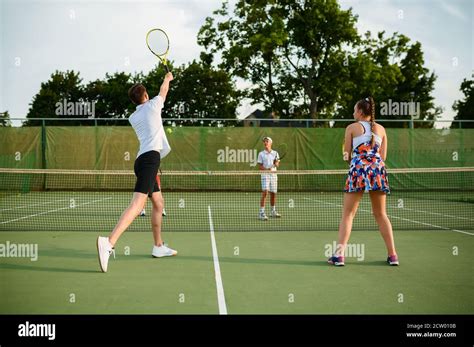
[
  {"x": 148, "y": 126},
  {"x": 268, "y": 161},
  {"x": 163, "y": 153}
]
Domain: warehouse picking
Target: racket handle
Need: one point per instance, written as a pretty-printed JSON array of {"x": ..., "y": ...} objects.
[{"x": 167, "y": 68}]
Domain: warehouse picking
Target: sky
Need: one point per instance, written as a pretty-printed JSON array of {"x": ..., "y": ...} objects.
[{"x": 106, "y": 36}]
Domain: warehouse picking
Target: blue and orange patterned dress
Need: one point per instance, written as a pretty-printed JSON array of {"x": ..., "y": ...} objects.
[{"x": 367, "y": 169}]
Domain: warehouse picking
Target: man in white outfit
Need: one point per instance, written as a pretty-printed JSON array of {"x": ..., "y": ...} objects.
[
  {"x": 148, "y": 126},
  {"x": 163, "y": 153},
  {"x": 268, "y": 161}
]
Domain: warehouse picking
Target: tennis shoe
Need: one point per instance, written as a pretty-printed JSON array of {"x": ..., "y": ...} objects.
[
  {"x": 163, "y": 213},
  {"x": 163, "y": 251},
  {"x": 275, "y": 214},
  {"x": 262, "y": 216},
  {"x": 143, "y": 213},
  {"x": 104, "y": 249},
  {"x": 393, "y": 260},
  {"x": 336, "y": 260}
]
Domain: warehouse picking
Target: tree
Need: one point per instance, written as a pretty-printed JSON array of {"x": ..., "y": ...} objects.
[
  {"x": 198, "y": 91},
  {"x": 465, "y": 108},
  {"x": 288, "y": 49},
  {"x": 204, "y": 92},
  {"x": 111, "y": 96},
  {"x": 392, "y": 71},
  {"x": 305, "y": 58},
  {"x": 62, "y": 87},
  {"x": 5, "y": 119}
]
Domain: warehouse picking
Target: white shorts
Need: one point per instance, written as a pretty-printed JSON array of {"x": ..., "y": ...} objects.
[{"x": 270, "y": 182}]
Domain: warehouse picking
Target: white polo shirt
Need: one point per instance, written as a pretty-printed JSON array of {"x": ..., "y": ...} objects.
[
  {"x": 268, "y": 158},
  {"x": 148, "y": 125}
]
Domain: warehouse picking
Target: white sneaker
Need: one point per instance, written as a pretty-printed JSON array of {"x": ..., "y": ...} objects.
[
  {"x": 163, "y": 213},
  {"x": 275, "y": 214},
  {"x": 104, "y": 249},
  {"x": 163, "y": 251},
  {"x": 262, "y": 216}
]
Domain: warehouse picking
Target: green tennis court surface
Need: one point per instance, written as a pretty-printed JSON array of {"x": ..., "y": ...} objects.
[
  {"x": 262, "y": 272},
  {"x": 267, "y": 267},
  {"x": 231, "y": 211}
]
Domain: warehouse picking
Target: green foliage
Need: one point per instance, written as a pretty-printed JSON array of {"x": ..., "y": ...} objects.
[
  {"x": 110, "y": 95},
  {"x": 301, "y": 58},
  {"x": 61, "y": 86},
  {"x": 5, "y": 119},
  {"x": 288, "y": 50},
  {"x": 465, "y": 108},
  {"x": 390, "y": 69},
  {"x": 203, "y": 92},
  {"x": 198, "y": 90},
  {"x": 305, "y": 59}
]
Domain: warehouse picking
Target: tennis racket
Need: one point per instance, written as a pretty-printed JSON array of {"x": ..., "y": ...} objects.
[
  {"x": 159, "y": 44},
  {"x": 282, "y": 151}
]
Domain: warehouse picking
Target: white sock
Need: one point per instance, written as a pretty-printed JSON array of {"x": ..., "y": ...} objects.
[
  {"x": 273, "y": 208},
  {"x": 262, "y": 209}
]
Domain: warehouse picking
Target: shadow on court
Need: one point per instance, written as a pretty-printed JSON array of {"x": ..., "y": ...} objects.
[
  {"x": 67, "y": 252},
  {"x": 370, "y": 263},
  {"x": 44, "y": 268},
  {"x": 241, "y": 260}
]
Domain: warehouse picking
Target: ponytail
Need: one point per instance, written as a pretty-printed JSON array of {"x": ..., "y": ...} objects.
[
  {"x": 372, "y": 119},
  {"x": 367, "y": 106}
]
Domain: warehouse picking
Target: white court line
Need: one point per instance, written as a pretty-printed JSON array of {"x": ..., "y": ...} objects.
[
  {"x": 51, "y": 211},
  {"x": 43, "y": 203},
  {"x": 411, "y": 209},
  {"x": 217, "y": 269},
  {"x": 433, "y": 213},
  {"x": 405, "y": 219}
]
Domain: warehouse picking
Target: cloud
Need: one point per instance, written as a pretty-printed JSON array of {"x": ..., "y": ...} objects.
[{"x": 453, "y": 10}]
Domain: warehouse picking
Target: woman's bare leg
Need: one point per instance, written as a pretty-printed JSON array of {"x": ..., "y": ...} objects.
[
  {"x": 378, "y": 200},
  {"x": 349, "y": 210}
]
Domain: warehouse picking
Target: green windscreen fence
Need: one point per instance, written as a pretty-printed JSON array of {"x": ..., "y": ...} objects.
[
  {"x": 91, "y": 148},
  {"x": 223, "y": 149},
  {"x": 21, "y": 147}
]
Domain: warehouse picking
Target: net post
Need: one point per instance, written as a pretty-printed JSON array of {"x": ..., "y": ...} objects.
[
  {"x": 43, "y": 144},
  {"x": 43, "y": 150}
]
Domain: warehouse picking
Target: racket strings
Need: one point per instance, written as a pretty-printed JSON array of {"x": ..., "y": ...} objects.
[{"x": 158, "y": 43}]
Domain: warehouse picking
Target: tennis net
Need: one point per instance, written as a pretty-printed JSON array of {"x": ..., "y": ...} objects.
[{"x": 62, "y": 200}]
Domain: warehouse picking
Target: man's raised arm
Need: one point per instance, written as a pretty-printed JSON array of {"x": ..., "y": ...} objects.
[{"x": 165, "y": 86}]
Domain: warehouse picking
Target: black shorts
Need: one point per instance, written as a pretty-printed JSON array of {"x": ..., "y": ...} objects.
[{"x": 146, "y": 168}]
